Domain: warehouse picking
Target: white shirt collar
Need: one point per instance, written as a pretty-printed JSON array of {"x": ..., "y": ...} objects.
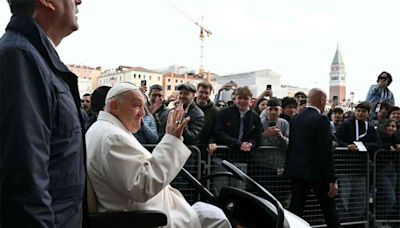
[
  {"x": 52, "y": 43},
  {"x": 310, "y": 106}
]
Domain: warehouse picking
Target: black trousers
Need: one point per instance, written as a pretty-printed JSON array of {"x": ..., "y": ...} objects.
[{"x": 300, "y": 190}]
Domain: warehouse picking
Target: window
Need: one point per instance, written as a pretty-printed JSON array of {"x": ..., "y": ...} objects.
[
  {"x": 169, "y": 80},
  {"x": 144, "y": 77},
  {"x": 159, "y": 78},
  {"x": 176, "y": 81},
  {"x": 169, "y": 87},
  {"x": 149, "y": 77},
  {"x": 139, "y": 76},
  {"x": 134, "y": 76}
]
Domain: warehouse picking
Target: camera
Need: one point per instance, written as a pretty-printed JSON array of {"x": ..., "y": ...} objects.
[{"x": 272, "y": 124}]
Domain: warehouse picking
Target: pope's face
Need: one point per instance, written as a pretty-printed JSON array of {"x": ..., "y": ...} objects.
[{"x": 130, "y": 110}]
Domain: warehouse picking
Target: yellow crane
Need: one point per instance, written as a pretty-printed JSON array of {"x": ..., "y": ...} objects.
[{"x": 203, "y": 33}]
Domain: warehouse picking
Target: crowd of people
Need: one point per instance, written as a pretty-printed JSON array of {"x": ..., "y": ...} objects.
[
  {"x": 244, "y": 123},
  {"x": 55, "y": 143}
]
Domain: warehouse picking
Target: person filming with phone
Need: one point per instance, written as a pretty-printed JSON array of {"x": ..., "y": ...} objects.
[
  {"x": 379, "y": 93},
  {"x": 276, "y": 130}
]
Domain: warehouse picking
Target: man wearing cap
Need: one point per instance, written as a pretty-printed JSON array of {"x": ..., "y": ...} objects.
[
  {"x": 126, "y": 176},
  {"x": 276, "y": 130},
  {"x": 192, "y": 131}
]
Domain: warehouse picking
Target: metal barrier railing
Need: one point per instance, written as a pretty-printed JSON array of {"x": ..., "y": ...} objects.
[
  {"x": 386, "y": 186},
  {"x": 193, "y": 165},
  {"x": 266, "y": 166},
  {"x": 352, "y": 173}
]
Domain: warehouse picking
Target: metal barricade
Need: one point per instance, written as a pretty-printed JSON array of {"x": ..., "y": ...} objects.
[
  {"x": 352, "y": 173},
  {"x": 386, "y": 185},
  {"x": 266, "y": 166},
  {"x": 193, "y": 165}
]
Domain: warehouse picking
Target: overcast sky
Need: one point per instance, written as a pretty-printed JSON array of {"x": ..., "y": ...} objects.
[{"x": 296, "y": 38}]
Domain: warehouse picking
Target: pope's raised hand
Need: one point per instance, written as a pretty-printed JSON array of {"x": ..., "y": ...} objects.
[{"x": 175, "y": 122}]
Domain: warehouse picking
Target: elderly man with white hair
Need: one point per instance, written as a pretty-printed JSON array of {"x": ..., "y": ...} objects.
[{"x": 125, "y": 176}]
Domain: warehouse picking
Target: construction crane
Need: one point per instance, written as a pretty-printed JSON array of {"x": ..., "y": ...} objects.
[{"x": 203, "y": 33}]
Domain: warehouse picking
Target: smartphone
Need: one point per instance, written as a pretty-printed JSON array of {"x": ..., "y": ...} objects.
[
  {"x": 143, "y": 82},
  {"x": 269, "y": 87},
  {"x": 272, "y": 124}
]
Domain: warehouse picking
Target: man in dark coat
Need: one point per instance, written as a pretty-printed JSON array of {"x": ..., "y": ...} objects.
[
  {"x": 239, "y": 127},
  {"x": 42, "y": 145},
  {"x": 206, "y": 143},
  {"x": 192, "y": 131},
  {"x": 309, "y": 160}
]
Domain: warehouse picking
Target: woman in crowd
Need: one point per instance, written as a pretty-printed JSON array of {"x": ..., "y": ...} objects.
[
  {"x": 380, "y": 92},
  {"x": 147, "y": 133},
  {"x": 387, "y": 176},
  {"x": 261, "y": 105}
]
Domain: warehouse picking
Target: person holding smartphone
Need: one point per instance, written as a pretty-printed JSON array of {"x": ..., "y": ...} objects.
[
  {"x": 379, "y": 93},
  {"x": 276, "y": 130}
]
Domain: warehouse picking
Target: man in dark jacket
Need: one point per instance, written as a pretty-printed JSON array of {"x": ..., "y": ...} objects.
[
  {"x": 42, "y": 146},
  {"x": 192, "y": 131},
  {"x": 206, "y": 142},
  {"x": 309, "y": 159},
  {"x": 359, "y": 136},
  {"x": 238, "y": 126}
]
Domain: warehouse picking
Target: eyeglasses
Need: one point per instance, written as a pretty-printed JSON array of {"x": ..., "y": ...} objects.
[{"x": 220, "y": 105}]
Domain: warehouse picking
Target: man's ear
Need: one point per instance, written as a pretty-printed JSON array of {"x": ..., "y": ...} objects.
[
  {"x": 114, "y": 107},
  {"x": 47, "y": 4}
]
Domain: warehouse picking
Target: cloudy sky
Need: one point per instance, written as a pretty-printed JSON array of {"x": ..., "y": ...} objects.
[{"x": 296, "y": 38}]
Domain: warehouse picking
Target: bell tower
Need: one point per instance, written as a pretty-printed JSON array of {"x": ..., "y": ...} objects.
[{"x": 337, "y": 78}]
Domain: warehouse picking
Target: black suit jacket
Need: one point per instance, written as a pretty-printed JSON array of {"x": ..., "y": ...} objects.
[{"x": 309, "y": 156}]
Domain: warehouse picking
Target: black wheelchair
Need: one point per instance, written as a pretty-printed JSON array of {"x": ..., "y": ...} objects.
[{"x": 243, "y": 209}]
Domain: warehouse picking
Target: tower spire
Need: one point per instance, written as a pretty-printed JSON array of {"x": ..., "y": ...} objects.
[
  {"x": 337, "y": 84},
  {"x": 338, "y": 59}
]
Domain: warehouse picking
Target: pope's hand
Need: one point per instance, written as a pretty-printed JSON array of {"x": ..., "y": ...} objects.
[{"x": 175, "y": 124}]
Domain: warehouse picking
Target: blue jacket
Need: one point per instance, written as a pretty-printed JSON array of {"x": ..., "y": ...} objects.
[
  {"x": 42, "y": 145},
  {"x": 376, "y": 96}
]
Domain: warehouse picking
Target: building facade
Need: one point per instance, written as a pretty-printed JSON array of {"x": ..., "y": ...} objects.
[
  {"x": 337, "y": 79},
  {"x": 134, "y": 75},
  {"x": 172, "y": 80},
  {"x": 257, "y": 81},
  {"x": 87, "y": 77}
]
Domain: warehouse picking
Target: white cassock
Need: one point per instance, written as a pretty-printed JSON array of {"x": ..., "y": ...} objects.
[{"x": 126, "y": 176}]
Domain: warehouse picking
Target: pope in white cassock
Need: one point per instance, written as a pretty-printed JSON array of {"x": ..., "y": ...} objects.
[{"x": 125, "y": 176}]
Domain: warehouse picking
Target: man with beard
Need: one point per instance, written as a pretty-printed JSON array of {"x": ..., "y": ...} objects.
[{"x": 206, "y": 143}]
